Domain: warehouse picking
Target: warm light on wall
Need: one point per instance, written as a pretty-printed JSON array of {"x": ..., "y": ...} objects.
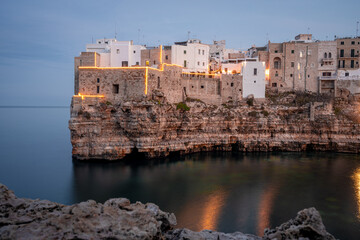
[
  {"x": 84, "y": 96},
  {"x": 267, "y": 72},
  {"x": 146, "y": 79},
  {"x": 160, "y": 54},
  {"x": 202, "y": 74}
]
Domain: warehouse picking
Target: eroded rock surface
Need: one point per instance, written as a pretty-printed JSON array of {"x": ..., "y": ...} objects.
[
  {"x": 104, "y": 130},
  {"x": 119, "y": 219}
]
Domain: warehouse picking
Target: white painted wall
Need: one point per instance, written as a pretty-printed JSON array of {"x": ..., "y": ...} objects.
[
  {"x": 253, "y": 84},
  {"x": 196, "y": 56},
  {"x": 113, "y": 53},
  {"x": 353, "y": 74}
]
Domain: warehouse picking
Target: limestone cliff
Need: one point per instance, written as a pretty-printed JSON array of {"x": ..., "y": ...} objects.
[
  {"x": 105, "y": 130},
  {"x": 119, "y": 219}
]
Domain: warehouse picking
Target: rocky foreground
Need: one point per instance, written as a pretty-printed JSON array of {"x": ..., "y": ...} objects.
[
  {"x": 106, "y": 130},
  {"x": 22, "y": 218}
]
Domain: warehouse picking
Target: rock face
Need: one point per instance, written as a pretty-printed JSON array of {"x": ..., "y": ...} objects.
[
  {"x": 116, "y": 219},
  {"x": 103, "y": 130},
  {"x": 119, "y": 219}
]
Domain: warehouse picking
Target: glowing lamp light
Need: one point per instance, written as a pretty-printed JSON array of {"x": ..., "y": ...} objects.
[
  {"x": 84, "y": 96},
  {"x": 267, "y": 72}
]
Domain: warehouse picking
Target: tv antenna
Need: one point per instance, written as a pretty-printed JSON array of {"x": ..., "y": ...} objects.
[
  {"x": 357, "y": 28},
  {"x": 139, "y": 36},
  {"x": 188, "y": 35},
  {"x": 115, "y": 30}
]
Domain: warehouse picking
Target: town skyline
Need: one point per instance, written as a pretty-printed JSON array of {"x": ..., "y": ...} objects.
[{"x": 41, "y": 37}]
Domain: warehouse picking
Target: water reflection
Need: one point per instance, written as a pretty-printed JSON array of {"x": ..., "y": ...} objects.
[
  {"x": 356, "y": 178},
  {"x": 212, "y": 210},
  {"x": 265, "y": 209},
  {"x": 232, "y": 192}
]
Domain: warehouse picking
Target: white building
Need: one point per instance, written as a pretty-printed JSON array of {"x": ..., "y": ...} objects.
[
  {"x": 253, "y": 73},
  {"x": 192, "y": 55},
  {"x": 114, "y": 53}
]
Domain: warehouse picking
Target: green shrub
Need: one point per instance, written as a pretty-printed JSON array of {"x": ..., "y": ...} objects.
[
  {"x": 182, "y": 106},
  {"x": 337, "y": 111}
]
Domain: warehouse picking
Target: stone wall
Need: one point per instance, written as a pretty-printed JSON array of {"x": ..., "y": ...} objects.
[
  {"x": 231, "y": 88},
  {"x": 202, "y": 88}
]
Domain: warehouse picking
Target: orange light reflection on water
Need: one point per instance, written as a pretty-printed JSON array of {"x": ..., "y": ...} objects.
[
  {"x": 212, "y": 209},
  {"x": 356, "y": 178},
  {"x": 265, "y": 207}
]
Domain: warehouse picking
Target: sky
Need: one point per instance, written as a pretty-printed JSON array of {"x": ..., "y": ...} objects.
[{"x": 40, "y": 38}]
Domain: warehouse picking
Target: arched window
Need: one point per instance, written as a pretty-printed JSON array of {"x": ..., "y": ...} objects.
[
  {"x": 277, "y": 63},
  {"x": 329, "y": 54},
  {"x": 325, "y": 55}
]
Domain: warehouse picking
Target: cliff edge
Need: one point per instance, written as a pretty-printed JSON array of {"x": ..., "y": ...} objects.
[
  {"x": 106, "y": 130},
  {"x": 117, "y": 218}
]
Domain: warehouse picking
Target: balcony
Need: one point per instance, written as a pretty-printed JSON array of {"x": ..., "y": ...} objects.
[
  {"x": 327, "y": 60},
  {"x": 333, "y": 77},
  {"x": 345, "y": 56}
]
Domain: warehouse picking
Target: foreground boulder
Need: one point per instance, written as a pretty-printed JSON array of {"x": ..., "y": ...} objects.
[{"x": 119, "y": 219}]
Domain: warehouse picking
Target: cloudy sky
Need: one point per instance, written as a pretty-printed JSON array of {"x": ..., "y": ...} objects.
[{"x": 38, "y": 39}]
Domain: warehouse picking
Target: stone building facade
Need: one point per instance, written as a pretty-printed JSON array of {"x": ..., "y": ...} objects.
[{"x": 348, "y": 53}]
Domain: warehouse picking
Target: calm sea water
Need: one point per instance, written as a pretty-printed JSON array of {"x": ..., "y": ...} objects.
[{"x": 220, "y": 191}]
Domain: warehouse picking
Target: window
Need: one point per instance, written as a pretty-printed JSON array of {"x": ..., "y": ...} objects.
[
  {"x": 325, "y": 55},
  {"x": 116, "y": 88},
  {"x": 184, "y": 63},
  {"x": 232, "y": 84},
  {"x": 137, "y": 63},
  {"x": 352, "y": 64},
  {"x": 254, "y": 81},
  {"x": 134, "y": 51},
  {"x": 203, "y": 63},
  {"x": 292, "y": 51},
  {"x": 158, "y": 83},
  {"x": 255, "y": 71},
  {"x": 291, "y": 75},
  {"x": 274, "y": 84},
  {"x": 98, "y": 80},
  {"x": 341, "y": 52},
  {"x": 184, "y": 51},
  {"x": 154, "y": 62},
  {"x": 276, "y": 74},
  {"x": 341, "y": 43},
  {"x": 352, "y": 52},
  {"x": 329, "y": 54},
  {"x": 346, "y": 74},
  {"x": 277, "y": 63},
  {"x": 97, "y": 89},
  {"x": 292, "y": 64},
  {"x": 308, "y": 76},
  {"x": 124, "y": 63},
  {"x": 352, "y": 42},
  {"x": 301, "y": 53},
  {"x": 299, "y": 66},
  {"x": 117, "y": 51},
  {"x": 276, "y": 51},
  {"x": 203, "y": 51},
  {"x": 198, "y": 63},
  {"x": 202, "y": 86},
  {"x": 166, "y": 57}
]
